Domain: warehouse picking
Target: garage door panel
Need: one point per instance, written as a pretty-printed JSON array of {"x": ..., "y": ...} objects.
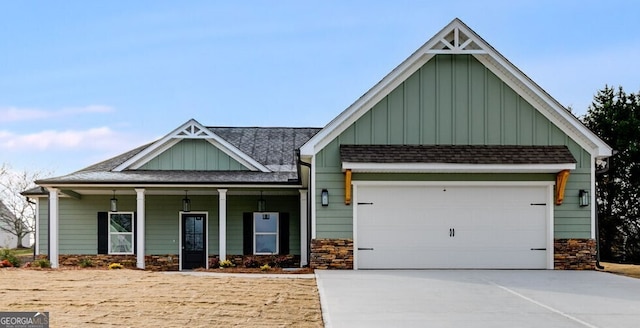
[{"x": 412, "y": 227}]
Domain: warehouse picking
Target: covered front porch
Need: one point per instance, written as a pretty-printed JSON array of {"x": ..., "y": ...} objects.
[{"x": 188, "y": 223}]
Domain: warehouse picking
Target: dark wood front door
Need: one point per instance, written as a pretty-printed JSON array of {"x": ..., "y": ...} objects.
[{"x": 194, "y": 238}]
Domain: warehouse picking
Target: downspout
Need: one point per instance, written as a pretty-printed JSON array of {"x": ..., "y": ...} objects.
[
  {"x": 600, "y": 172},
  {"x": 300, "y": 162}
]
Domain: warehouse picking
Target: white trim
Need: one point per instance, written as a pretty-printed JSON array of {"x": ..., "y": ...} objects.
[
  {"x": 53, "y": 249},
  {"x": 454, "y": 183},
  {"x": 313, "y": 197},
  {"x": 549, "y": 214},
  {"x": 206, "y": 239},
  {"x": 354, "y": 226},
  {"x": 255, "y": 233},
  {"x": 550, "y": 226},
  {"x": 222, "y": 224},
  {"x": 525, "y": 87},
  {"x": 140, "y": 226},
  {"x": 132, "y": 233},
  {"x": 192, "y": 129},
  {"x": 175, "y": 187},
  {"x": 304, "y": 243},
  {"x": 36, "y": 240},
  {"x": 455, "y": 168}
]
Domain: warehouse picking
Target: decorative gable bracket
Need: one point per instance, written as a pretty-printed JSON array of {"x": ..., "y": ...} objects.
[
  {"x": 455, "y": 41},
  {"x": 193, "y": 131}
]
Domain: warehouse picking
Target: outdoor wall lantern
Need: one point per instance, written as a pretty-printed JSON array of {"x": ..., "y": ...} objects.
[
  {"x": 262, "y": 204},
  {"x": 324, "y": 197},
  {"x": 114, "y": 203},
  {"x": 583, "y": 197},
  {"x": 186, "y": 203}
]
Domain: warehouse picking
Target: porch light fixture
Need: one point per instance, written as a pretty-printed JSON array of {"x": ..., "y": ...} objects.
[
  {"x": 186, "y": 203},
  {"x": 262, "y": 204},
  {"x": 324, "y": 197},
  {"x": 113, "y": 203},
  {"x": 583, "y": 197}
]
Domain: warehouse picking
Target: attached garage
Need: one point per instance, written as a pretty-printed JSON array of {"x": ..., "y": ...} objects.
[{"x": 418, "y": 225}]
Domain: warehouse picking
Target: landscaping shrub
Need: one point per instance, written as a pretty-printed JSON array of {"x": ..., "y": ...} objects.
[
  {"x": 10, "y": 256},
  {"x": 251, "y": 262},
  {"x": 85, "y": 263},
  {"x": 226, "y": 264},
  {"x": 41, "y": 263},
  {"x": 214, "y": 263},
  {"x": 283, "y": 261},
  {"x": 115, "y": 266}
]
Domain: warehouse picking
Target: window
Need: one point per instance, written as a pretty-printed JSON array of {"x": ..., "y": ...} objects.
[
  {"x": 121, "y": 232},
  {"x": 265, "y": 232}
]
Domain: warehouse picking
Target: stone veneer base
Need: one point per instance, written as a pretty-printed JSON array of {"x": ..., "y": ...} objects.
[
  {"x": 331, "y": 254},
  {"x": 574, "y": 254},
  {"x": 569, "y": 254}
]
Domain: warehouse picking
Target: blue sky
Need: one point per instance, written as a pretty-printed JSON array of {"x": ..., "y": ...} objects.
[{"x": 81, "y": 81}]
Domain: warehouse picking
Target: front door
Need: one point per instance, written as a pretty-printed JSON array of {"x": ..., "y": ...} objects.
[{"x": 193, "y": 241}]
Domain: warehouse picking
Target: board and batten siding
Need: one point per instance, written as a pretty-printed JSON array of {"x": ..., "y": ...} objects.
[
  {"x": 451, "y": 100},
  {"x": 193, "y": 154},
  {"x": 78, "y": 221}
]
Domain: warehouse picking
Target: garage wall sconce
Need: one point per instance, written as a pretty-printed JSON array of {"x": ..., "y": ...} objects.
[
  {"x": 324, "y": 197},
  {"x": 583, "y": 197}
]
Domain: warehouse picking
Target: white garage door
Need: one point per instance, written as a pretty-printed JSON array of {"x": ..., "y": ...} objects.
[{"x": 413, "y": 226}]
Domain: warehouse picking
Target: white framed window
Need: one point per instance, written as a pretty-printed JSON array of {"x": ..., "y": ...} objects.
[
  {"x": 121, "y": 230},
  {"x": 265, "y": 233}
]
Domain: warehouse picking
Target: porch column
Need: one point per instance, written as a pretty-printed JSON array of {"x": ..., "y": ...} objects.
[
  {"x": 222, "y": 219},
  {"x": 304, "y": 244},
  {"x": 53, "y": 227},
  {"x": 140, "y": 228}
]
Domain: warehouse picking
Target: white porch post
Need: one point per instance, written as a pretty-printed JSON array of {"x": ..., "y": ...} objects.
[
  {"x": 222, "y": 219},
  {"x": 303, "y": 229},
  {"x": 53, "y": 227},
  {"x": 140, "y": 235}
]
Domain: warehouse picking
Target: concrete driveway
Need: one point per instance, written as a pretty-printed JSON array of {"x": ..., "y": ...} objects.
[{"x": 478, "y": 298}]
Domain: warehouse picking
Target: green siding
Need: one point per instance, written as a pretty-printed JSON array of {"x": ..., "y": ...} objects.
[
  {"x": 78, "y": 221},
  {"x": 455, "y": 100},
  {"x": 194, "y": 154}
]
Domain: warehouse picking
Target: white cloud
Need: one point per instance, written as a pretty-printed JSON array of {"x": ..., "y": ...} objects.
[
  {"x": 13, "y": 114},
  {"x": 94, "y": 138}
]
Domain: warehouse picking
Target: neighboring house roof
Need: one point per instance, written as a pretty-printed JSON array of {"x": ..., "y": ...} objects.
[
  {"x": 456, "y": 158},
  {"x": 4, "y": 211},
  {"x": 458, "y": 38},
  {"x": 269, "y": 153}
]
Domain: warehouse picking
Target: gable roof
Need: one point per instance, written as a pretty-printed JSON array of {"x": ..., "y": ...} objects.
[
  {"x": 271, "y": 149},
  {"x": 458, "y": 38},
  {"x": 190, "y": 130}
]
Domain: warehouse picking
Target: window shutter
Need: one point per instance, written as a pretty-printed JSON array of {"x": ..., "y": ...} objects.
[
  {"x": 284, "y": 233},
  {"x": 103, "y": 233},
  {"x": 247, "y": 233}
]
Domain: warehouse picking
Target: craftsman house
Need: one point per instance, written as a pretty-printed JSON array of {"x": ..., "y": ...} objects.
[{"x": 455, "y": 159}]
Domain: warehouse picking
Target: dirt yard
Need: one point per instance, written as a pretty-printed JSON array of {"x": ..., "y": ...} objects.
[
  {"x": 630, "y": 270},
  {"x": 132, "y": 298}
]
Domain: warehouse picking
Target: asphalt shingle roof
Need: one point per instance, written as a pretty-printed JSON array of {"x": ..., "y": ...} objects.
[
  {"x": 456, "y": 154},
  {"x": 274, "y": 148}
]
